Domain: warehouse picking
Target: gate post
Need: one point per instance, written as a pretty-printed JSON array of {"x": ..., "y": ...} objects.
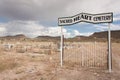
[
  {"x": 109, "y": 49},
  {"x": 61, "y": 51}
]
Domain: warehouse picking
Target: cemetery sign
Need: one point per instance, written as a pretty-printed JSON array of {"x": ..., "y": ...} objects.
[{"x": 85, "y": 17}]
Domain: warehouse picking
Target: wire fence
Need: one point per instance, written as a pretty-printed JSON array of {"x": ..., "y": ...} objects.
[{"x": 85, "y": 54}]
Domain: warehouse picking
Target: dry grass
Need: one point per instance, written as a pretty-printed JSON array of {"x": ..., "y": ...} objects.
[
  {"x": 7, "y": 62},
  {"x": 39, "y": 65}
]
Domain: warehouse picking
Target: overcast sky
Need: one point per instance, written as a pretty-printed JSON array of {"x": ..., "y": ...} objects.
[{"x": 40, "y": 17}]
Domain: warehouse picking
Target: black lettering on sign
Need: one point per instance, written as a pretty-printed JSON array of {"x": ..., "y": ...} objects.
[
  {"x": 90, "y": 17},
  {"x": 69, "y": 21},
  {"x": 99, "y": 19},
  {"x": 108, "y": 17},
  {"x": 62, "y": 21},
  {"x": 86, "y": 17},
  {"x": 95, "y": 19},
  {"x": 66, "y": 21},
  {"x": 82, "y": 16},
  {"x": 102, "y": 18},
  {"x": 77, "y": 18}
]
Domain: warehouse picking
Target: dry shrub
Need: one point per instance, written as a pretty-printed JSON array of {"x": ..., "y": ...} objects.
[
  {"x": 1, "y": 49},
  {"x": 20, "y": 50},
  {"x": 47, "y": 52},
  {"x": 7, "y": 63},
  {"x": 43, "y": 51},
  {"x": 38, "y": 58}
]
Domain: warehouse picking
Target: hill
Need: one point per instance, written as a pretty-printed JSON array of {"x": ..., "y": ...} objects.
[
  {"x": 97, "y": 36},
  {"x": 114, "y": 34},
  {"x": 101, "y": 36},
  {"x": 47, "y": 38},
  {"x": 18, "y": 37}
]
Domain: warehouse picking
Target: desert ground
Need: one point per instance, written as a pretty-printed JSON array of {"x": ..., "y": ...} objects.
[{"x": 41, "y": 61}]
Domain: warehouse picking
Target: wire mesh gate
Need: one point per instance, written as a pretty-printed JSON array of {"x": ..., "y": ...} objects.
[{"x": 85, "y": 54}]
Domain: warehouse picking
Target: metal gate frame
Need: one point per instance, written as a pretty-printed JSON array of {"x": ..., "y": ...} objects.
[{"x": 109, "y": 36}]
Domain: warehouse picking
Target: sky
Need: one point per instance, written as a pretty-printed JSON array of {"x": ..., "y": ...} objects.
[{"x": 40, "y": 17}]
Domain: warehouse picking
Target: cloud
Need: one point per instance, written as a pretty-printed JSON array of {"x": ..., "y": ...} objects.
[
  {"x": 70, "y": 33},
  {"x": 50, "y": 10},
  {"x": 116, "y": 18},
  {"x": 33, "y": 29},
  {"x": 33, "y": 9},
  {"x": 2, "y": 29},
  {"x": 87, "y": 34},
  {"x": 94, "y": 6},
  {"x": 105, "y": 27}
]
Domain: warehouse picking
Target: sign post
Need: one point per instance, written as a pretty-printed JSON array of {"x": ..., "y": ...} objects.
[
  {"x": 61, "y": 55},
  {"x": 109, "y": 49}
]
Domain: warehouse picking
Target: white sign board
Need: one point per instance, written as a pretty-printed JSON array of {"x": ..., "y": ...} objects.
[{"x": 85, "y": 17}]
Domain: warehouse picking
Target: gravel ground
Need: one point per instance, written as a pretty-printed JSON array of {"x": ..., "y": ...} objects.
[{"x": 44, "y": 67}]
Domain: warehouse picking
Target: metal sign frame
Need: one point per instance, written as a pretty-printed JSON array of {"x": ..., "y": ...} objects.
[
  {"x": 82, "y": 20},
  {"x": 83, "y": 17}
]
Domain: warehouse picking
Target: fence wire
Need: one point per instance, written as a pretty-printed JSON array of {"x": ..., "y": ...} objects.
[{"x": 85, "y": 54}]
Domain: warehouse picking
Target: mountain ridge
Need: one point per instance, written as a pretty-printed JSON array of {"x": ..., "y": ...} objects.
[{"x": 98, "y": 36}]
